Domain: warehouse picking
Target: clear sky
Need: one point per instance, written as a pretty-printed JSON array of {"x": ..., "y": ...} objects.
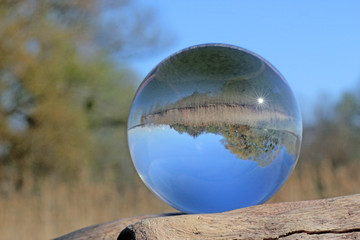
[{"x": 314, "y": 44}]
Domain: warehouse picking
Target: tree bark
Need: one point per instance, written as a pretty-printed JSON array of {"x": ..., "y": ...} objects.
[{"x": 333, "y": 218}]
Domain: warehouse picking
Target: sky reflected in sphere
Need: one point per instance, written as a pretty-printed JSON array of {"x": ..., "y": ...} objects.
[{"x": 214, "y": 128}]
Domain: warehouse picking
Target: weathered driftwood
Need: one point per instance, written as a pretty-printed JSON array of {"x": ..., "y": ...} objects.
[
  {"x": 109, "y": 230},
  {"x": 334, "y": 218}
]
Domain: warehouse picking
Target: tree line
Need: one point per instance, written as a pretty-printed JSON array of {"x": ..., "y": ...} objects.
[{"x": 63, "y": 99}]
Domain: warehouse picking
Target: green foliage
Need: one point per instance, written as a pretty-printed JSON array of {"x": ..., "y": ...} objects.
[
  {"x": 63, "y": 102},
  {"x": 335, "y": 136}
]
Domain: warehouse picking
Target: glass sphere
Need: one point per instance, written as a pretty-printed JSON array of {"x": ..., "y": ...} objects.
[{"x": 214, "y": 128}]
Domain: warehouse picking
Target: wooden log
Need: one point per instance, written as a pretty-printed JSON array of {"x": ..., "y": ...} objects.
[
  {"x": 334, "y": 218},
  {"x": 109, "y": 230}
]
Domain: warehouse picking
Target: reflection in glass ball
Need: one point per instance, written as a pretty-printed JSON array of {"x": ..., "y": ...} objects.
[{"x": 214, "y": 128}]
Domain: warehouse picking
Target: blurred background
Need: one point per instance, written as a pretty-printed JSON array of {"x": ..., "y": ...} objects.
[{"x": 69, "y": 70}]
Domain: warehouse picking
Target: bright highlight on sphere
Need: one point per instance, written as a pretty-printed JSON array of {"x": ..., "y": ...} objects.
[{"x": 214, "y": 128}]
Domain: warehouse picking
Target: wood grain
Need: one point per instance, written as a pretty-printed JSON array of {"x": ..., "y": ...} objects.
[
  {"x": 109, "y": 230},
  {"x": 333, "y": 218}
]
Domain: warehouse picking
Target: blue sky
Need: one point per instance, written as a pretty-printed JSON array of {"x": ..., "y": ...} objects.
[
  {"x": 314, "y": 44},
  {"x": 202, "y": 168}
]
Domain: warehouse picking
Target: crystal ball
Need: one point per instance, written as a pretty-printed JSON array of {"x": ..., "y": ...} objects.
[{"x": 213, "y": 128}]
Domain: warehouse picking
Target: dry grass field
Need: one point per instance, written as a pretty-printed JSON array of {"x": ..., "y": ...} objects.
[
  {"x": 56, "y": 209},
  {"x": 66, "y": 87}
]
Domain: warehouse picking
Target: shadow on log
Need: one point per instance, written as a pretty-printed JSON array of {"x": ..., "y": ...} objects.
[
  {"x": 333, "y": 218},
  {"x": 109, "y": 230}
]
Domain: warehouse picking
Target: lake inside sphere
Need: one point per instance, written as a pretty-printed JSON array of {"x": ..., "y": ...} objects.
[{"x": 214, "y": 128}]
